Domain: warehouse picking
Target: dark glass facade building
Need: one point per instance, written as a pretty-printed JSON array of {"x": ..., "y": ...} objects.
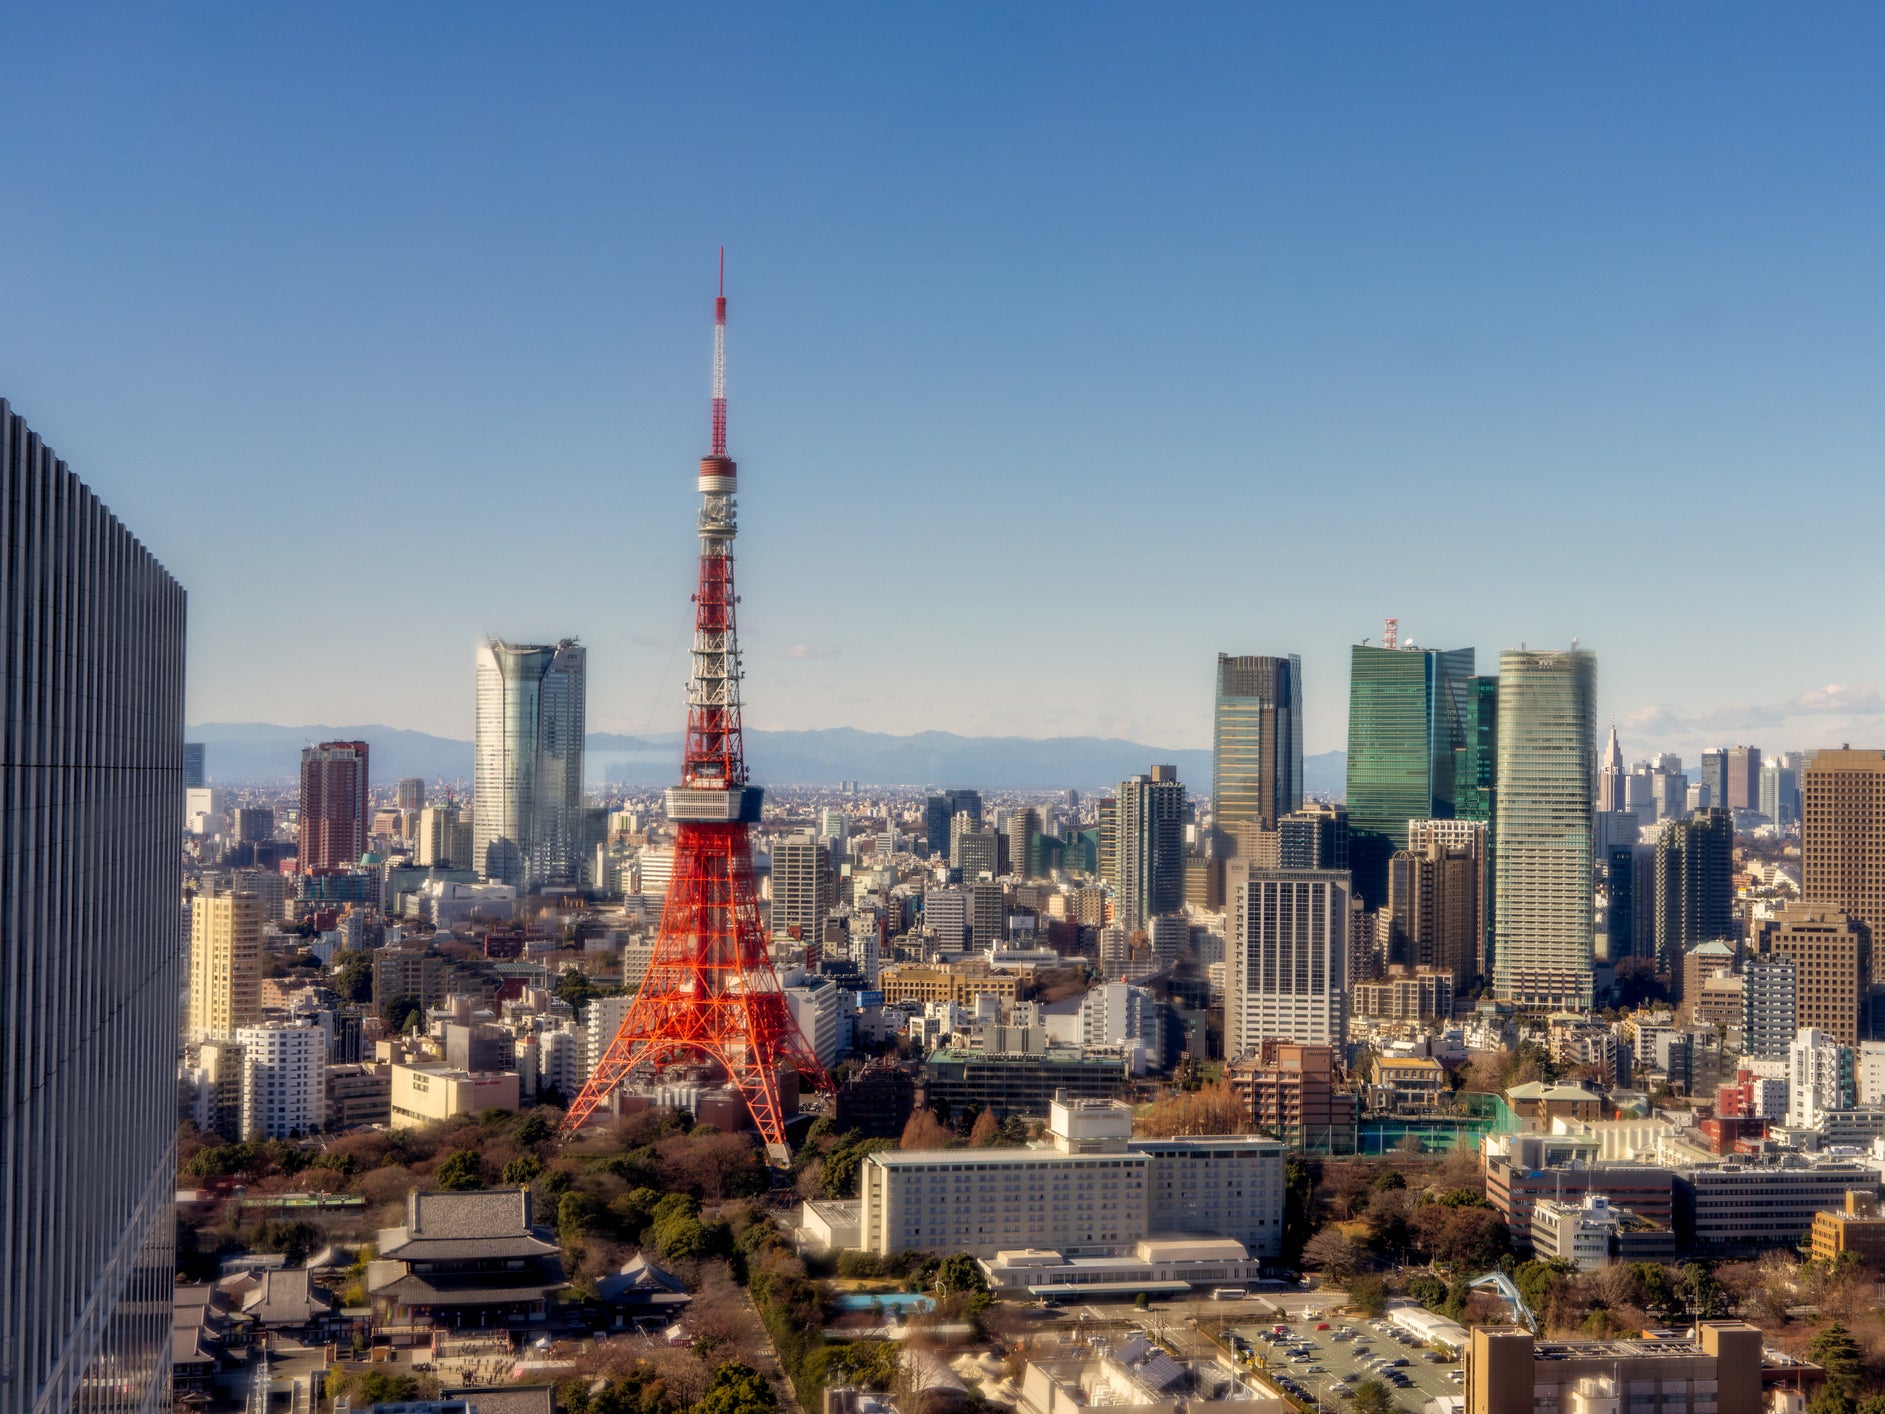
[
  {"x": 1476, "y": 760},
  {"x": 1694, "y": 886},
  {"x": 1406, "y": 709},
  {"x": 91, "y": 802},
  {"x": 1256, "y": 741}
]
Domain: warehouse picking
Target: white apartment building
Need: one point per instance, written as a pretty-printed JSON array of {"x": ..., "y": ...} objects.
[
  {"x": 560, "y": 1059},
  {"x": 1093, "y": 1191},
  {"x": 284, "y": 1079},
  {"x": 946, "y": 915},
  {"x": 1118, "y": 1014},
  {"x": 601, "y": 1020},
  {"x": 1287, "y": 956},
  {"x": 1819, "y": 1077},
  {"x": 1575, "y": 1232},
  {"x": 814, "y": 1003}
]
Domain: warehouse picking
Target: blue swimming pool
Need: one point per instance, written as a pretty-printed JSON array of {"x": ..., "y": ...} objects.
[{"x": 904, "y": 1302}]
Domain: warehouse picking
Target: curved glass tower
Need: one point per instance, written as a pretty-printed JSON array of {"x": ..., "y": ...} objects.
[{"x": 527, "y": 783}]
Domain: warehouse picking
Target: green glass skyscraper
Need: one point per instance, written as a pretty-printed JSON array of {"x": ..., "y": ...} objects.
[
  {"x": 1476, "y": 761},
  {"x": 1256, "y": 741},
  {"x": 1406, "y": 709}
]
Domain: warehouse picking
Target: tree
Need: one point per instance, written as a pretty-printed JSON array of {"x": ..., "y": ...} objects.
[
  {"x": 844, "y": 1163},
  {"x": 1429, "y": 1291},
  {"x": 576, "y": 1213},
  {"x": 1372, "y": 1397},
  {"x": 1707, "y": 1301},
  {"x": 573, "y": 987},
  {"x": 736, "y": 1389},
  {"x": 1211, "y": 1109},
  {"x": 1368, "y": 1295},
  {"x": 680, "y": 1238},
  {"x": 924, "y": 1131},
  {"x": 958, "y": 1273},
  {"x": 458, "y": 1171},
  {"x": 520, "y": 1170},
  {"x": 1835, "y": 1351},
  {"x": 1299, "y": 1204},
  {"x": 400, "y": 1012},
  {"x": 1335, "y": 1252},
  {"x": 353, "y": 976},
  {"x": 985, "y": 1131}
]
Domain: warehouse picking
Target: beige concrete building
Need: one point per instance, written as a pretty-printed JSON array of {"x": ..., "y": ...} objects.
[
  {"x": 960, "y": 983},
  {"x": 1508, "y": 1371},
  {"x": 225, "y": 964},
  {"x": 424, "y": 1092},
  {"x": 1095, "y": 1192},
  {"x": 1858, "y": 1228}
]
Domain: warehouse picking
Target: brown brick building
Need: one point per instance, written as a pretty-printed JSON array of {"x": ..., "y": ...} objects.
[
  {"x": 1831, "y": 955},
  {"x": 1292, "y": 1092},
  {"x": 1842, "y": 839}
]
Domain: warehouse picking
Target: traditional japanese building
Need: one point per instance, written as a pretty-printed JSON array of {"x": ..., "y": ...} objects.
[{"x": 465, "y": 1260}]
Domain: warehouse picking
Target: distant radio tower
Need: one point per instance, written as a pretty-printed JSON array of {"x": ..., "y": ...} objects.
[
  {"x": 1390, "y": 633},
  {"x": 710, "y": 990}
]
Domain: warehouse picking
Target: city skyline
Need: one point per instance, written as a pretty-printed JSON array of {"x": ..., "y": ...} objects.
[{"x": 1328, "y": 331}]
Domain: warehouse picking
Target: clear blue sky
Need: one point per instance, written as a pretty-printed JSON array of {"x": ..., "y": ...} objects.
[{"x": 1070, "y": 345}]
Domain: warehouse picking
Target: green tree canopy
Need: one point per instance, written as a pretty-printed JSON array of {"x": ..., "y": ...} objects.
[
  {"x": 458, "y": 1171},
  {"x": 736, "y": 1389}
]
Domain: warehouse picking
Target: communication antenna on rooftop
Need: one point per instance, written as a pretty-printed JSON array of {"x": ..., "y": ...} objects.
[{"x": 1390, "y": 633}]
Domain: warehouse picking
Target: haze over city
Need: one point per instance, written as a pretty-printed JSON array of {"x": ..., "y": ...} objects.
[{"x": 1070, "y": 345}]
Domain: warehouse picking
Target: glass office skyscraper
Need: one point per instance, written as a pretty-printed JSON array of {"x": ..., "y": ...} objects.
[
  {"x": 1547, "y": 796},
  {"x": 1256, "y": 741},
  {"x": 527, "y": 785},
  {"x": 1406, "y": 709},
  {"x": 91, "y": 794}
]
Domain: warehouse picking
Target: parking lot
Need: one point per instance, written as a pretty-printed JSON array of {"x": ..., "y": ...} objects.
[{"x": 1323, "y": 1366}]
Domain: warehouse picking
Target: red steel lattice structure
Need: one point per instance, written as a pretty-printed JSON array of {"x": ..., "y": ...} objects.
[{"x": 710, "y": 990}]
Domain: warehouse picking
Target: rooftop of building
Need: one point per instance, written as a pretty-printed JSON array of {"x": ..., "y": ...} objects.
[
  {"x": 1538, "y": 1090},
  {"x": 1060, "y": 1055},
  {"x": 466, "y": 1226}
]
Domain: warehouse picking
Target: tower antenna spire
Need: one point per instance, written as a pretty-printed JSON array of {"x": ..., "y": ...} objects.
[{"x": 720, "y": 363}]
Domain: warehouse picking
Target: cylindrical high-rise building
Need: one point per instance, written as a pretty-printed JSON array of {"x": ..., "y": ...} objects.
[
  {"x": 527, "y": 781},
  {"x": 91, "y": 790},
  {"x": 1547, "y": 794}
]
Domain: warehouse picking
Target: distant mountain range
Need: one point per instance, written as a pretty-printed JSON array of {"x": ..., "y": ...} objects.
[{"x": 261, "y": 753}]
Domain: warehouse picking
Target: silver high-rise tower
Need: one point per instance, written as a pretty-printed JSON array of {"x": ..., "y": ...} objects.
[
  {"x": 527, "y": 784},
  {"x": 91, "y": 790},
  {"x": 1546, "y": 798}
]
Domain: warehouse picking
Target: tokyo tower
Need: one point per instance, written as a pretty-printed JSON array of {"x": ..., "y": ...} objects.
[{"x": 710, "y": 990}]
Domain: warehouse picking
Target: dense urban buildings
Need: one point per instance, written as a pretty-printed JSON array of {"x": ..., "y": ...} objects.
[
  {"x": 1406, "y": 728},
  {"x": 527, "y": 793},
  {"x": 90, "y": 798},
  {"x": 1256, "y": 742},
  {"x": 335, "y": 805},
  {"x": 1542, "y": 921}
]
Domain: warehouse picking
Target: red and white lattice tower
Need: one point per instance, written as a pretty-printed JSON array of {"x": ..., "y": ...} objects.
[{"x": 710, "y": 991}]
